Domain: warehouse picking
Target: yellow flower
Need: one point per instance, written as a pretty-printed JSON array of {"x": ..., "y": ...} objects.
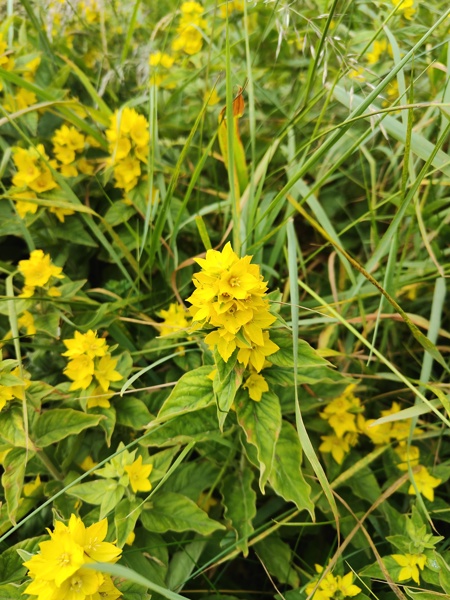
[
  {"x": 357, "y": 74},
  {"x": 33, "y": 171},
  {"x": 38, "y": 270},
  {"x": 69, "y": 137},
  {"x": 57, "y": 571},
  {"x": 425, "y": 483},
  {"x": 30, "y": 487},
  {"x": 338, "y": 446},
  {"x": 85, "y": 343},
  {"x": 91, "y": 540},
  {"x": 99, "y": 398},
  {"x": 408, "y": 456},
  {"x": 330, "y": 585},
  {"x": 230, "y": 6},
  {"x": 127, "y": 173},
  {"x": 161, "y": 63},
  {"x": 406, "y": 7},
  {"x": 130, "y": 539},
  {"x": 410, "y": 564},
  {"x": 80, "y": 370},
  {"x": 175, "y": 319},
  {"x": 256, "y": 386},
  {"x": 105, "y": 373},
  {"x": 26, "y": 321},
  {"x": 378, "y": 48},
  {"x": 87, "y": 463},
  {"x": 61, "y": 213},
  {"x": 5, "y": 395},
  {"x": 139, "y": 476},
  {"x": 23, "y": 206},
  {"x": 58, "y": 560},
  {"x": 255, "y": 354}
]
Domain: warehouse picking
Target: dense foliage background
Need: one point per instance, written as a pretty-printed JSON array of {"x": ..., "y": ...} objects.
[{"x": 274, "y": 427}]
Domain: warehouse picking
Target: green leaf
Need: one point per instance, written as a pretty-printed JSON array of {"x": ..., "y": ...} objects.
[
  {"x": 277, "y": 558},
  {"x": 125, "y": 516},
  {"x": 307, "y": 356},
  {"x": 239, "y": 500},
  {"x": 169, "y": 511},
  {"x": 111, "y": 500},
  {"x": 193, "y": 392},
  {"x": 286, "y": 476},
  {"x": 48, "y": 323},
  {"x": 155, "y": 563},
  {"x": 132, "y": 412},
  {"x": 11, "y": 427},
  {"x": 225, "y": 368},
  {"x": 198, "y": 426},
  {"x": 10, "y": 591},
  {"x": 161, "y": 461},
  {"x": 261, "y": 422},
  {"x": 192, "y": 478},
  {"x": 93, "y": 491},
  {"x": 444, "y": 572},
  {"x": 183, "y": 563},
  {"x": 12, "y": 479},
  {"x": 11, "y": 564},
  {"x": 58, "y": 423},
  {"x": 225, "y": 393},
  {"x": 108, "y": 421}
]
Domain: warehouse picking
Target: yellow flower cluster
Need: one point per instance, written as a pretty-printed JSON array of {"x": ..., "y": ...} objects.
[
  {"x": 67, "y": 143},
  {"x": 378, "y": 49},
  {"x": 88, "y": 359},
  {"x": 12, "y": 383},
  {"x": 331, "y": 587},
  {"x": 160, "y": 63},
  {"x": 58, "y": 570},
  {"x": 38, "y": 271},
  {"x": 406, "y": 7},
  {"x": 230, "y": 296},
  {"x": 341, "y": 414},
  {"x": 6, "y": 59},
  {"x": 175, "y": 319},
  {"x": 189, "y": 37},
  {"x": 128, "y": 138},
  {"x": 231, "y": 6}
]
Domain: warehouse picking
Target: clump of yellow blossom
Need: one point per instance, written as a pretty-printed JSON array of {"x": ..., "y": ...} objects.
[
  {"x": 89, "y": 360},
  {"x": 405, "y": 7},
  {"x": 22, "y": 99},
  {"x": 128, "y": 138},
  {"x": 343, "y": 414},
  {"x": 13, "y": 382},
  {"x": 379, "y": 48},
  {"x": 57, "y": 570},
  {"x": 230, "y": 296},
  {"x": 175, "y": 318},
  {"x": 6, "y": 58},
  {"x": 67, "y": 143},
  {"x": 32, "y": 169},
  {"x": 160, "y": 64},
  {"x": 231, "y": 6},
  {"x": 38, "y": 271},
  {"x": 331, "y": 587},
  {"x": 410, "y": 564},
  {"x": 189, "y": 37}
]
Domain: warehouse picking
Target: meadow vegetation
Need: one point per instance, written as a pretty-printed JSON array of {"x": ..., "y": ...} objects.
[{"x": 223, "y": 273}]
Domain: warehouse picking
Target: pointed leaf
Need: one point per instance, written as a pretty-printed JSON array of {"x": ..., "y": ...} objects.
[
  {"x": 193, "y": 392},
  {"x": 169, "y": 511},
  {"x": 277, "y": 558},
  {"x": 286, "y": 476},
  {"x": 58, "y": 423},
  {"x": 239, "y": 500},
  {"x": 14, "y": 464},
  {"x": 261, "y": 422}
]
